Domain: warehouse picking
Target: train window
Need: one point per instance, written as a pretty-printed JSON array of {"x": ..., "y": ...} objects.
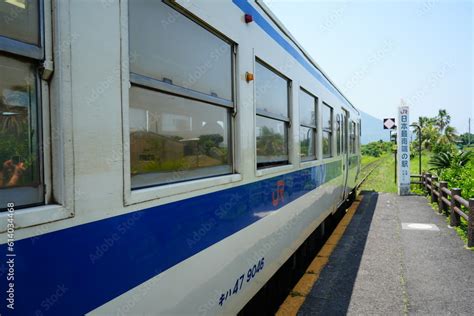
[
  {"x": 359, "y": 135},
  {"x": 180, "y": 100},
  {"x": 272, "y": 117},
  {"x": 353, "y": 139},
  {"x": 272, "y": 91},
  {"x": 272, "y": 144},
  {"x": 339, "y": 134},
  {"x": 308, "y": 104},
  {"x": 327, "y": 117},
  {"x": 19, "y": 20},
  {"x": 20, "y": 104},
  {"x": 172, "y": 48},
  {"x": 173, "y": 139}
]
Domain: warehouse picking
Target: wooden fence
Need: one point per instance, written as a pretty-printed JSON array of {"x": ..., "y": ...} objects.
[{"x": 449, "y": 202}]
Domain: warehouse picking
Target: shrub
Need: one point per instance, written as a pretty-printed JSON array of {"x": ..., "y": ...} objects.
[{"x": 450, "y": 159}]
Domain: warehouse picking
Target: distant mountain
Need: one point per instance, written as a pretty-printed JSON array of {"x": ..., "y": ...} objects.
[{"x": 372, "y": 129}]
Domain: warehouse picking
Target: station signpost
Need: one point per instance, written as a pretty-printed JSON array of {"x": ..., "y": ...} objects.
[{"x": 403, "y": 142}]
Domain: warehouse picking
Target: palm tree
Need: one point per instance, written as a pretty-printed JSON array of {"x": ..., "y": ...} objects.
[
  {"x": 430, "y": 136},
  {"x": 442, "y": 120},
  {"x": 423, "y": 121},
  {"x": 449, "y": 136}
]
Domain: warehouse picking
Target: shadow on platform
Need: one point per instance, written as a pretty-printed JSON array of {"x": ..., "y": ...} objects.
[{"x": 332, "y": 293}]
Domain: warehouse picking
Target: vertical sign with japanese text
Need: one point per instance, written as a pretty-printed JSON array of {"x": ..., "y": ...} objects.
[{"x": 403, "y": 150}]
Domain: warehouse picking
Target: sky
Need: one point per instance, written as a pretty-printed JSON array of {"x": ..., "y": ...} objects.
[{"x": 379, "y": 52}]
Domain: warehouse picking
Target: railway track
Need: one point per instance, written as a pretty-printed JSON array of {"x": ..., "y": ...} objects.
[{"x": 370, "y": 167}]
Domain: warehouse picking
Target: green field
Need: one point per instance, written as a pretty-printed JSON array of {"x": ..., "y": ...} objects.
[{"x": 383, "y": 178}]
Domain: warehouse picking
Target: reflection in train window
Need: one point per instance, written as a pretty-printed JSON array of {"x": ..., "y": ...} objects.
[
  {"x": 174, "y": 139},
  {"x": 327, "y": 116},
  {"x": 272, "y": 117},
  {"x": 19, "y": 133},
  {"x": 271, "y": 92},
  {"x": 352, "y": 134},
  {"x": 181, "y": 98},
  {"x": 198, "y": 61},
  {"x": 272, "y": 141},
  {"x": 339, "y": 134},
  {"x": 21, "y": 171},
  {"x": 19, "y": 20},
  {"x": 308, "y": 122}
]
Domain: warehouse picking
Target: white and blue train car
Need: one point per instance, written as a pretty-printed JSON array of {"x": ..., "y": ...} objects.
[{"x": 160, "y": 157}]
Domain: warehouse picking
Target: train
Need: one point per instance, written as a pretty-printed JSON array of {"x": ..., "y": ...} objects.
[{"x": 160, "y": 157}]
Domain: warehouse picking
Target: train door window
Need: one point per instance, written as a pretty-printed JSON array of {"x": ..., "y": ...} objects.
[
  {"x": 327, "y": 117},
  {"x": 21, "y": 52},
  {"x": 353, "y": 139},
  {"x": 181, "y": 99},
  {"x": 359, "y": 135},
  {"x": 272, "y": 99},
  {"x": 339, "y": 134},
  {"x": 308, "y": 121}
]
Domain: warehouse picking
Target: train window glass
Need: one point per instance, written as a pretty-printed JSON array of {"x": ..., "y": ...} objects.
[
  {"x": 327, "y": 145},
  {"x": 271, "y": 91},
  {"x": 356, "y": 138},
  {"x": 168, "y": 46},
  {"x": 272, "y": 142},
  {"x": 174, "y": 139},
  {"x": 346, "y": 134},
  {"x": 327, "y": 118},
  {"x": 272, "y": 121},
  {"x": 20, "y": 104},
  {"x": 181, "y": 97},
  {"x": 307, "y": 104},
  {"x": 339, "y": 134},
  {"x": 353, "y": 139},
  {"x": 307, "y": 143},
  {"x": 19, "y": 20}
]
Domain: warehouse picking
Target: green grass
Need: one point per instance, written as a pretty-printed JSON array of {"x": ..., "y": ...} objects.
[
  {"x": 383, "y": 178},
  {"x": 425, "y": 158},
  {"x": 368, "y": 160}
]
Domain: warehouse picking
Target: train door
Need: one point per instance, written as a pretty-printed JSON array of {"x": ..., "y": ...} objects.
[{"x": 345, "y": 152}]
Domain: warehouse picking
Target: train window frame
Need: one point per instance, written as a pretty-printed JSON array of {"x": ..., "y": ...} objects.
[
  {"x": 312, "y": 127},
  {"x": 329, "y": 131},
  {"x": 153, "y": 192},
  {"x": 54, "y": 116},
  {"x": 270, "y": 167}
]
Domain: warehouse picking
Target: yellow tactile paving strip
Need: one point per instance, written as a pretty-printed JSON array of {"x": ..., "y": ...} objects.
[{"x": 293, "y": 302}]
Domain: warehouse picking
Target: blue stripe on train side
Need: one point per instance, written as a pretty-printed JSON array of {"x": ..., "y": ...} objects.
[
  {"x": 246, "y": 7},
  {"x": 91, "y": 264}
]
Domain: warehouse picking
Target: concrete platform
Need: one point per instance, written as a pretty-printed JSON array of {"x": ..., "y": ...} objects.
[{"x": 388, "y": 264}]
